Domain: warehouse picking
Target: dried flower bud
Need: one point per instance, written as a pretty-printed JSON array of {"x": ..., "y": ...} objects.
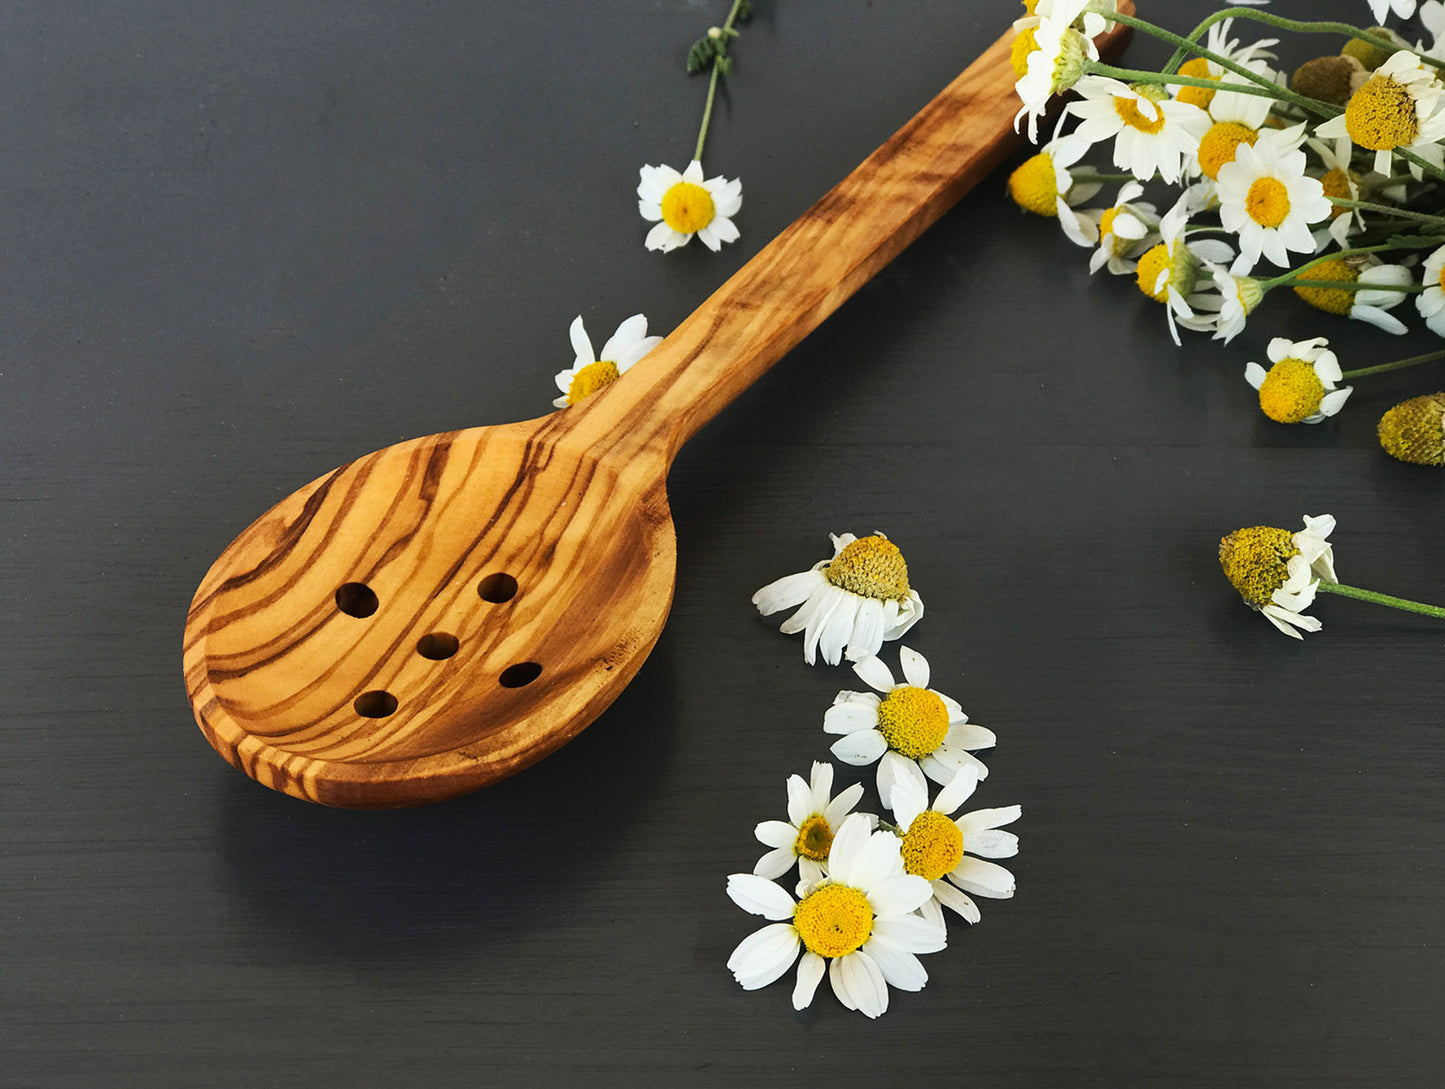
[
  {"x": 1414, "y": 430},
  {"x": 1372, "y": 56},
  {"x": 1330, "y": 79}
]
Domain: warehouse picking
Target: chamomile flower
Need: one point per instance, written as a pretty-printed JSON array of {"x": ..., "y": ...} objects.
[
  {"x": 858, "y": 599},
  {"x": 1221, "y": 44},
  {"x": 1124, "y": 230},
  {"x": 1278, "y": 572},
  {"x": 910, "y": 729},
  {"x": 1044, "y": 185},
  {"x": 1152, "y": 133},
  {"x": 1169, "y": 271},
  {"x": 1301, "y": 386},
  {"x": 592, "y": 371},
  {"x": 1414, "y": 430},
  {"x": 1367, "y": 302},
  {"x": 1338, "y": 182},
  {"x": 1238, "y": 295},
  {"x": 1266, "y": 198},
  {"x": 1056, "y": 61},
  {"x": 1431, "y": 302},
  {"x": 1402, "y": 106},
  {"x": 858, "y": 925},
  {"x": 952, "y": 854},
  {"x": 686, "y": 205},
  {"x": 814, "y": 817}
]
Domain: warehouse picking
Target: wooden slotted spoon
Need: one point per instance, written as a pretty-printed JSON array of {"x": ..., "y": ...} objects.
[{"x": 440, "y": 614}]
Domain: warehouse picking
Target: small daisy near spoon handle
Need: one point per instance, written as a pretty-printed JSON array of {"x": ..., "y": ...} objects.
[{"x": 817, "y": 263}]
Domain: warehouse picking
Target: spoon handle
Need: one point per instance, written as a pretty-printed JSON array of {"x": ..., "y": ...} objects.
[{"x": 816, "y": 264}]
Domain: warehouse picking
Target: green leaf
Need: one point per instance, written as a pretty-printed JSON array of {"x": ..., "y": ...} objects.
[
  {"x": 745, "y": 12},
  {"x": 702, "y": 54},
  {"x": 724, "y": 64}
]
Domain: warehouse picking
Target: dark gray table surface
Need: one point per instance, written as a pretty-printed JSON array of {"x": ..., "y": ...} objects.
[{"x": 242, "y": 244}]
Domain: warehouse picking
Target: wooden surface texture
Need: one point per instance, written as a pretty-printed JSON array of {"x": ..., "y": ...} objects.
[{"x": 246, "y": 244}]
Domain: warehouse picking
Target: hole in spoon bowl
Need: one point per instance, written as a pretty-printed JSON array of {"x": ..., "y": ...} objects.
[
  {"x": 375, "y": 704},
  {"x": 437, "y": 645},
  {"x": 356, "y": 599},
  {"x": 520, "y": 675},
  {"x": 497, "y": 587}
]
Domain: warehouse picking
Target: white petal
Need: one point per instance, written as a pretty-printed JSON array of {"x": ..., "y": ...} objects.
[
  {"x": 893, "y": 768},
  {"x": 992, "y": 844},
  {"x": 859, "y": 748},
  {"x": 983, "y": 878},
  {"x": 786, "y": 592},
  {"x": 775, "y": 863},
  {"x": 908, "y": 797},
  {"x": 846, "y": 718},
  {"x": 764, "y": 955},
  {"x": 956, "y": 900},
  {"x": 915, "y": 667},
  {"x": 980, "y": 819},
  {"x": 867, "y": 634},
  {"x": 800, "y": 800},
  {"x": 911, "y": 932},
  {"x": 759, "y": 896},
  {"x": 877, "y": 863},
  {"x": 957, "y": 790},
  {"x": 872, "y": 672},
  {"x": 859, "y": 983},
  {"x": 971, "y": 736},
  {"x": 1254, "y": 374},
  {"x": 848, "y": 845},
  {"x": 810, "y": 972},
  {"x": 898, "y": 895},
  {"x": 839, "y": 808},
  {"x": 900, "y": 968}
]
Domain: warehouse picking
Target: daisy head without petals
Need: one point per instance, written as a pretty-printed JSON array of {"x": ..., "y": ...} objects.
[{"x": 683, "y": 205}]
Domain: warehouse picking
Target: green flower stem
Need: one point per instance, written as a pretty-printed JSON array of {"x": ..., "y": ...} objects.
[
  {"x": 728, "y": 32},
  {"x": 1382, "y": 599},
  {"x": 1088, "y": 177},
  {"x": 1294, "y": 273},
  {"x": 1427, "y": 167},
  {"x": 1314, "y": 105},
  {"x": 1279, "y": 94},
  {"x": 1355, "y": 285},
  {"x": 1296, "y": 25},
  {"x": 1399, "y": 364},
  {"x": 1388, "y": 209}
]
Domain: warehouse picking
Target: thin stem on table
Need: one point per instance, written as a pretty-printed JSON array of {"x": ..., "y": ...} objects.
[
  {"x": 1381, "y": 599},
  {"x": 727, "y": 32},
  {"x": 1399, "y": 364}
]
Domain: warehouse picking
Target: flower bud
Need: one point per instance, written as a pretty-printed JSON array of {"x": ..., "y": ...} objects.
[{"x": 1414, "y": 430}]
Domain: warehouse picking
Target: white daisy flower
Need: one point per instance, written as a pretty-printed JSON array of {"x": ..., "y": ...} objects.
[
  {"x": 1124, "y": 230},
  {"x": 686, "y": 205},
  {"x": 1236, "y": 295},
  {"x": 1152, "y": 133},
  {"x": 1266, "y": 198},
  {"x": 1338, "y": 181},
  {"x": 1044, "y": 185},
  {"x": 1302, "y": 385},
  {"x": 1369, "y": 301},
  {"x": 1431, "y": 302},
  {"x": 814, "y": 817},
  {"x": 858, "y": 925},
  {"x": 1056, "y": 61},
  {"x": 950, "y": 853},
  {"x": 857, "y": 600},
  {"x": 590, "y": 371},
  {"x": 1277, "y": 572},
  {"x": 1169, "y": 271},
  {"x": 911, "y": 729},
  {"x": 1402, "y": 106}
]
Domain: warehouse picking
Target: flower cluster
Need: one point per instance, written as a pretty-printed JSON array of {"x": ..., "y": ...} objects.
[
  {"x": 870, "y": 893},
  {"x": 1325, "y": 180}
]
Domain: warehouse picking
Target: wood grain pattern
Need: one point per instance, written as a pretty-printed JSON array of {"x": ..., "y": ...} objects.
[{"x": 346, "y": 647}]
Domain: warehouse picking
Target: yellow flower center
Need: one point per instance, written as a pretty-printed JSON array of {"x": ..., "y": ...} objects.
[
  {"x": 1255, "y": 560},
  {"x": 1029, "y": 6},
  {"x": 590, "y": 379},
  {"x": 815, "y": 838},
  {"x": 1150, "y": 266},
  {"x": 1414, "y": 430},
  {"x": 1337, "y": 184},
  {"x": 1291, "y": 391},
  {"x": 834, "y": 920},
  {"x": 1221, "y": 143},
  {"x": 1382, "y": 115},
  {"x": 914, "y": 721},
  {"x": 1267, "y": 201},
  {"x": 1440, "y": 280},
  {"x": 932, "y": 846},
  {"x": 1332, "y": 300},
  {"x": 1023, "y": 45},
  {"x": 1034, "y": 185},
  {"x": 1128, "y": 109},
  {"x": 1197, "y": 67},
  {"x": 1106, "y": 221},
  {"x": 870, "y": 567},
  {"x": 687, "y": 207}
]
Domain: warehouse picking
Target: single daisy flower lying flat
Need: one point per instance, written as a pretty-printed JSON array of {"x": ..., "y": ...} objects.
[
  {"x": 952, "y": 853},
  {"x": 1266, "y": 198},
  {"x": 856, "y": 600},
  {"x": 1278, "y": 572},
  {"x": 683, "y": 205},
  {"x": 591, "y": 372},
  {"x": 858, "y": 925},
  {"x": 1302, "y": 385},
  {"x": 1367, "y": 302},
  {"x": 912, "y": 730},
  {"x": 806, "y": 837}
]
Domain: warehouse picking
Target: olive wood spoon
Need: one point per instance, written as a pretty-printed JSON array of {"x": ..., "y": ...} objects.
[{"x": 439, "y": 614}]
